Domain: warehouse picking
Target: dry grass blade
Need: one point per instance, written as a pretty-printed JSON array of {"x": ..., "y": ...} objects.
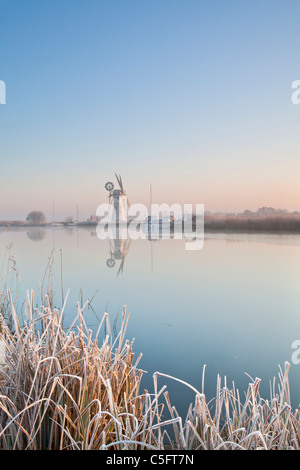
[{"x": 66, "y": 390}]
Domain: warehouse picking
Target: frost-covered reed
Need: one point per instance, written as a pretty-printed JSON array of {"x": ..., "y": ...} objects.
[{"x": 69, "y": 389}]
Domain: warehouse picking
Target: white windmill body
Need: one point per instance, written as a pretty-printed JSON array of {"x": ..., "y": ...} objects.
[{"x": 120, "y": 202}]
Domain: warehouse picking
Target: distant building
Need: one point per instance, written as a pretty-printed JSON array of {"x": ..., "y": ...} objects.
[{"x": 94, "y": 219}]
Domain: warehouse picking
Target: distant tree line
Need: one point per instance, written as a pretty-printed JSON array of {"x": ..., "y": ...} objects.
[{"x": 261, "y": 221}]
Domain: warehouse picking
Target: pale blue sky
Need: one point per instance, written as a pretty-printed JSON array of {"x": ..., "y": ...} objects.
[{"x": 192, "y": 96}]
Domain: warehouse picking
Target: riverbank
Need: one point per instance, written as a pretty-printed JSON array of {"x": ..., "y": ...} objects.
[
  {"x": 272, "y": 223},
  {"x": 234, "y": 223}
]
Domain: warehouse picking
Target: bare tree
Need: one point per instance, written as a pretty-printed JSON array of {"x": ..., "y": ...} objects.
[{"x": 36, "y": 218}]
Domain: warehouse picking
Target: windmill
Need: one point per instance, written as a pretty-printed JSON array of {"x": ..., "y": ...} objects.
[
  {"x": 119, "y": 199},
  {"x": 119, "y": 245}
]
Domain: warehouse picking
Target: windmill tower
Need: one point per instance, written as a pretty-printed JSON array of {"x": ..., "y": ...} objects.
[{"x": 119, "y": 199}]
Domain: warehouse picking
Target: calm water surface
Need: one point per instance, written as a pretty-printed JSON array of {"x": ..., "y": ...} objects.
[{"x": 234, "y": 305}]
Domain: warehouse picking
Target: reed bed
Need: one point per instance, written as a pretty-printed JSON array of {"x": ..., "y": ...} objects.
[
  {"x": 70, "y": 390},
  {"x": 284, "y": 223}
]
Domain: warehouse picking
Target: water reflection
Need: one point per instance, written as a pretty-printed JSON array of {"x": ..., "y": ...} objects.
[
  {"x": 36, "y": 234},
  {"x": 234, "y": 305},
  {"x": 119, "y": 245},
  {"x": 119, "y": 248}
]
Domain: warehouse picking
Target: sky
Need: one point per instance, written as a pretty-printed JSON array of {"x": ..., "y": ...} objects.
[{"x": 192, "y": 97}]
